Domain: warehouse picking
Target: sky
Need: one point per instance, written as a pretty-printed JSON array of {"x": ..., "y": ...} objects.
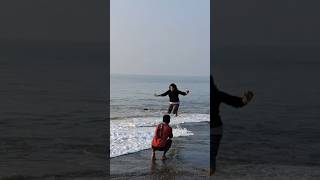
[{"x": 160, "y": 37}]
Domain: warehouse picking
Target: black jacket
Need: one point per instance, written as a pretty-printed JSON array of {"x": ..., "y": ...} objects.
[
  {"x": 173, "y": 95},
  {"x": 219, "y": 97}
]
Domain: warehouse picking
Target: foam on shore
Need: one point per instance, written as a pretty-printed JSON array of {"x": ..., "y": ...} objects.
[{"x": 135, "y": 134}]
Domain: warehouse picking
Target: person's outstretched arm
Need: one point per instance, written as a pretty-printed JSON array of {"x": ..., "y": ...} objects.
[
  {"x": 235, "y": 101},
  {"x": 183, "y": 93},
  {"x": 163, "y": 94}
]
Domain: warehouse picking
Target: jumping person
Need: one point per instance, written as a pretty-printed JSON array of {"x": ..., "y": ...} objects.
[
  {"x": 162, "y": 138},
  {"x": 216, "y": 126},
  {"x": 174, "y": 102}
]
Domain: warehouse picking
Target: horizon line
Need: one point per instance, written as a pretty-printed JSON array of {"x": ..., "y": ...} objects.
[{"x": 199, "y": 75}]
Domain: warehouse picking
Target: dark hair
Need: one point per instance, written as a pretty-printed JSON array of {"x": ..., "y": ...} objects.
[
  {"x": 174, "y": 86},
  {"x": 166, "y": 118}
]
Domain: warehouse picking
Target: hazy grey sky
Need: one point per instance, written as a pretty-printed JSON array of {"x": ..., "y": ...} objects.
[{"x": 160, "y": 37}]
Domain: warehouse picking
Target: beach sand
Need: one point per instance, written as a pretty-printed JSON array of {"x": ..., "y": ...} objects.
[{"x": 188, "y": 158}]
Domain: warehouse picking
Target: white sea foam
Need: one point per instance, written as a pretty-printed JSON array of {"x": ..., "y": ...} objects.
[{"x": 135, "y": 134}]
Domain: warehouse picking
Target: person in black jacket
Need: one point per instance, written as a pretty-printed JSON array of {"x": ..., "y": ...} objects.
[
  {"x": 174, "y": 101},
  {"x": 216, "y": 126}
]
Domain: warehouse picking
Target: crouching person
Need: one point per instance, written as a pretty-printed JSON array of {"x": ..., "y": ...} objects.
[{"x": 162, "y": 138}]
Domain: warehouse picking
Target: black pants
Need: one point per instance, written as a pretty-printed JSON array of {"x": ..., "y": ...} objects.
[
  {"x": 174, "y": 108},
  {"x": 214, "y": 143}
]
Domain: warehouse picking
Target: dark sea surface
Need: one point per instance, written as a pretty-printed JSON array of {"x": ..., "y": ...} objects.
[
  {"x": 51, "y": 114},
  {"x": 53, "y": 111},
  {"x": 280, "y": 127}
]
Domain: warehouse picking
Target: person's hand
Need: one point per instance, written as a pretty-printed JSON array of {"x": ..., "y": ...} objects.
[
  {"x": 156, "y": 95},
  {"x": 247, "y": 97},
  {"x": 187, "y": 91}
]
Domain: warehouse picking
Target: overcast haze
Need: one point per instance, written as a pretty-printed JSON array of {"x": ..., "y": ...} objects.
[{"x": 160, "y": 37}]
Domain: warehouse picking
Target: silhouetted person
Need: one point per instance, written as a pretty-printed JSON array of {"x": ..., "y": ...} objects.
[{"x": 216, "y": 126}]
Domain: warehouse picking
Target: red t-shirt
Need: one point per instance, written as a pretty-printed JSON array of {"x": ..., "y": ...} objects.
[{"x": 161, "y": 135}]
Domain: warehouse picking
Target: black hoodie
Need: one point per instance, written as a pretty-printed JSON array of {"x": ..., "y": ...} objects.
[
  {"x": 219, "y": 97},
  {"x": 173, "y": 95}
]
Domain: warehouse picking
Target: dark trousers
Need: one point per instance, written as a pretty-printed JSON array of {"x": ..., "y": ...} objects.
[{"x": 214, "y": 148}]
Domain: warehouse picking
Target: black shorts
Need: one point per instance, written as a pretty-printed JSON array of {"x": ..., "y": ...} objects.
[
  {"x": 165, "y": 148},
  {"x": 174, "y": 108}
]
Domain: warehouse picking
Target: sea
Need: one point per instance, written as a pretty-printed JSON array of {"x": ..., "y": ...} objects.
[
  {"x": 135, "y": 111},
  {"x": 53, "y": 111},
  {"x": 277, "y": 134}
]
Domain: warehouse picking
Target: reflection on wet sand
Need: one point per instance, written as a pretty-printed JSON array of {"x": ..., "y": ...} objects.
[{"x": 162, "y": 170}]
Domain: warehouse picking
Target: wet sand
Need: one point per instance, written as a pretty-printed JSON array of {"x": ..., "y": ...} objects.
[{"x": 188, "y": 158}]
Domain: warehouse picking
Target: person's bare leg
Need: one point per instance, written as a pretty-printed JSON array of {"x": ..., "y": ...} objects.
[
  {"x": 153, "y": 157},
  {"x": 170, "y": 108},
  {"x": 164, "y": 155},
  {"x": 166, "y": 149},
  {"x": 175, "y": 110}
]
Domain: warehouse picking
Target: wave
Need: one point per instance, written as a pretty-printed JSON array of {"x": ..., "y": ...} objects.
[{"x": 131, "y": 135}]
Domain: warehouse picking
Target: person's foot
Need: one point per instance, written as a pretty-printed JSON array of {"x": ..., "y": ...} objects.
[{"x": 163, "y": 158}]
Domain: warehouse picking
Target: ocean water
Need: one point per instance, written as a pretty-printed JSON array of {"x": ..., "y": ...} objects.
[
  {"x": 52, "y": 112},
  {"x": 135, "y": 111},
  {"x": 280, "y": 127}
]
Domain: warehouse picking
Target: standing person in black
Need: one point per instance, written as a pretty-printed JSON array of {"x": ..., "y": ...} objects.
[
  {"x": 174, "y": 102},
  {"x": 216, "y": 126}
]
